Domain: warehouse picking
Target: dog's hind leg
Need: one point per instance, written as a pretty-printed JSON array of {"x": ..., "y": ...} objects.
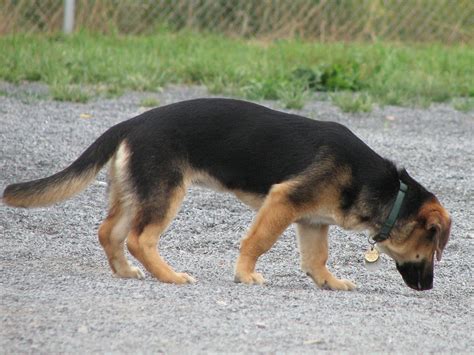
[
  {"x": 148, "y": 225},
  {"x": 313, "y": 246},
  {"x": 112, "y": 234},
  {"x": 114, "y": 229}
]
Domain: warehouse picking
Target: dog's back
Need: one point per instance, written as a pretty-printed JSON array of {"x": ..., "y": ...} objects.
[{"x": 244, "y": 145}]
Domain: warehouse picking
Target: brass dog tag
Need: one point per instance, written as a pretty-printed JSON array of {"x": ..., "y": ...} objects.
[
  {"x": 371, "y": 256},
  {"x": 372, "y": 259}
]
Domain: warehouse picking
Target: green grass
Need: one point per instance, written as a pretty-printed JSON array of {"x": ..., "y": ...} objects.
[
  {"x": 149, "y": 102},
  {"x": 73, "y": 93},
  {"x": 464, "y": 105},
  {"x": 85, "y": 65},
  {"x": 293, "y": 94},
  {"x": 352, "y": 102}
]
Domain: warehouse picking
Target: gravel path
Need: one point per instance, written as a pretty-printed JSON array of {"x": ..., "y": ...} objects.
[{"x": 58, "y": 295}]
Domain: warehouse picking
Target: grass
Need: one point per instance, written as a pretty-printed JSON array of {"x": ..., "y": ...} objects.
[
  {"x": 464, "y": 105},
  {"x": 149, "y": 102},
  {"x": 352, "y": 102},
  {"x": 293, "y": 94},
  {"x": 73, "y": 93},
  {"x": 85, "y": 65}
]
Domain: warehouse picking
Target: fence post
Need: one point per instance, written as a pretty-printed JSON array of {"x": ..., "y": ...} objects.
[{"x": 68, "y": 25}]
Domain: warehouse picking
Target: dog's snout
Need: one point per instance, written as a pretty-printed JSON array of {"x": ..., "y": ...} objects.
[{"x": 418, "y": 276}]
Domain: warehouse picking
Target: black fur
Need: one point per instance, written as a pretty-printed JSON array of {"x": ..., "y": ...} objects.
[
  {"x": 418, "y": 276},
  {"x": 246, "y": 147},
  {"x": 250, "y": 147}
]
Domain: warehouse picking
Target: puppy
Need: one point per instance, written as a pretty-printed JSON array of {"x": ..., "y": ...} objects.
[{"x": 289, "y": 168}]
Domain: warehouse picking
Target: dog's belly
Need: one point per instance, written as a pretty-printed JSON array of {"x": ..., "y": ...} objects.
[
  {"x": 317, "y": 220},
  {"x": 252, "y": 200},
  {"x": 203, "y": 179}
]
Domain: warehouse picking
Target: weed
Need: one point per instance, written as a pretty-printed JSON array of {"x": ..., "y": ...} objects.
[
  {"x": 259, "y": 90},
  {"x": 113, "y": 90},
  {"x": 220, "y": 84},
  {"x": 311, "y": 77},
  {"x": 149, "y": 102},
  {"x": 349, "y": 102},
  {"x": 293, "y": 94},
  {"x": 73, "y": 93},
  {"x": 464, "y": 104},
  {"x": 32, "y": 76},
  {"x": 332, "y": 77}
]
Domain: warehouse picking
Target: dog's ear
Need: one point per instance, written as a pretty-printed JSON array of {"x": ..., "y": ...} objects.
[{"x": 438, "y": 223}]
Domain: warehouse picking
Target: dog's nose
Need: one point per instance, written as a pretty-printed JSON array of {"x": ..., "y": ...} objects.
[
  {"x": 418, "y": 276},
  {"x": 422, "y": 286}
]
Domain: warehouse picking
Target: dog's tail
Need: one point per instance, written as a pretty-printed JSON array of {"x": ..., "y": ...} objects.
[{"x": 70, "y": 181}]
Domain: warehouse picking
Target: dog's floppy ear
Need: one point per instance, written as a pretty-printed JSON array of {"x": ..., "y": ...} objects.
[{"x": 438, "y": 222}]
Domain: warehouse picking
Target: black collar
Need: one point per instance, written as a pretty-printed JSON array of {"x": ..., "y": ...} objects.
[{"x": 384, "y": 233}]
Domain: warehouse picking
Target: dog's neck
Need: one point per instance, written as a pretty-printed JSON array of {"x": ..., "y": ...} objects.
[
  {"x": 384, "y": 214},
  {"x": 393, "y": 215}
]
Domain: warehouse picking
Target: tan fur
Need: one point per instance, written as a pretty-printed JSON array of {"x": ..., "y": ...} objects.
[
  {"x": 115, "y": 228},
  {"x": 324, "y": 208},
  {"x": 120, "y": 187},
  {"x": 277, "y": 213},
  {"x": 313, "y": 246},
  {"x": 112, "y": 234},
  {"x": 121, "y": 222},
  {"x": 254, "y": 201},
  {"x": 52, "y": 193},
  {"x": 144, "y": 246},
  {"x": 437, "y": 218},
  {"x": 201, "y": 178},
  {"x": 273, "y": 218},
  {"x": 412, "y": 242}
]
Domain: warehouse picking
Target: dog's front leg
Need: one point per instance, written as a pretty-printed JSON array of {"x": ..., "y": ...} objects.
[
  {"x": 275, "y": 215},
  {"x": 313, "y": 246}
]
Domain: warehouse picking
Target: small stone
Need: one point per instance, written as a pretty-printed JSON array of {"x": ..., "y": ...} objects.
[{"x": 83, "y": 329}]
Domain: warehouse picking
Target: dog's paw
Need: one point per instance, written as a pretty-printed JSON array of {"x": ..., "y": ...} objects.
[
  {"x": 338, "y": 285},
  {"x": 132, "y": 272},
  {"x": 327, "y": 281},
  {"x": 137, "y": 273},
  {"x": 349, "y": 284},
  {"x": 183, "y": 278},
  {"x": 250, "y": 279}
]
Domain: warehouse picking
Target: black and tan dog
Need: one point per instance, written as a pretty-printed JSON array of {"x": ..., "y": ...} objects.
[{"x": 289, "y": 168}]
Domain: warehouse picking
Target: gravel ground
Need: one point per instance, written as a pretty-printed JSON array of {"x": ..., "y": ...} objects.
[{"x": 58, "y": 295}]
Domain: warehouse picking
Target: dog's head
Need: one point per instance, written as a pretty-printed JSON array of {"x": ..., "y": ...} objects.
[{"x": 417, "y": 241}]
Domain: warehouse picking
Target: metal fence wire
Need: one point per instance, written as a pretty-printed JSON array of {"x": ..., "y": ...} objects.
[{"x": 445, "y": 21}]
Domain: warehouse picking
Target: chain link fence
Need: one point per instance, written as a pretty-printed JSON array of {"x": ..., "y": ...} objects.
[{"x": 445, "y": 21}]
